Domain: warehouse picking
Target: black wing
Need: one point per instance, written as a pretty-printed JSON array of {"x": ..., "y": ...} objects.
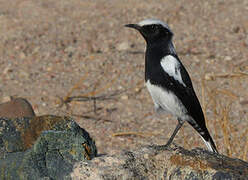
[{"x": 186, "y": 94}]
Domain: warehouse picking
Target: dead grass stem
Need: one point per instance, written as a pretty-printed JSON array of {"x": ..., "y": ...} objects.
[
  {"x": 78, "y": 85},
  {"x": 245, "y": 153},
  {"x": 220, "y": 101},
  {"x": 239, "y": 74},
  {"x": 225, "y": 129},
  {"x": 128, "y": 133}
]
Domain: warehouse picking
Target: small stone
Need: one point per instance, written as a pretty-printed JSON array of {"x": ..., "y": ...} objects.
[
  {"x": 146, "y": 156},
  {"x": 137, "y": 89},
  {"x": 209, "y": 76},
  {"x": 236, "y": 29},
  {"x": 15, "y": 108},
  {"x": 228, "y": 58},
  {"x": 24, "y": 74},
  {"x": 124, "y": 97},
  {"x": 36, "y": 50},
  {"x": 7, "y": 69},
  {"x": 5, "y": 99},
  {"x": 70, "y": 49},
  {"x": 22, "y": 55},
  {"x": 123, "y": 46},
  {"x": 49, "y": 68},
  {"x": 17, "y": 47}
]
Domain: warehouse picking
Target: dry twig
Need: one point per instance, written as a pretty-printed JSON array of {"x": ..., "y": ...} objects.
[
  {"x": 129, "y": 133},
  {"x": 212, "y": 76}
]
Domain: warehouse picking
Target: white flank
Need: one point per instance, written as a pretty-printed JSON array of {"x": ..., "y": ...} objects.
[
  {"x": 207, "y": 144},
  {"x": 171, "y": 67},
  {"x": 166, "y": 101},
  {"x": 153, "y": 21}
]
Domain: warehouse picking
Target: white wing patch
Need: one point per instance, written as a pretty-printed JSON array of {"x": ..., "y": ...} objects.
[{"x": 171, "y": 66}]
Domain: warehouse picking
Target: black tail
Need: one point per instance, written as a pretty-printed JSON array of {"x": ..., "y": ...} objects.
[{"x": 207, "y": 139}]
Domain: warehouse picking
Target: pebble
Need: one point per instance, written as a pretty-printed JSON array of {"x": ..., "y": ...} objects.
[
  {"x": 124, "y": 97},
  {"x": 49, "y": 68},
  {"x": 228, "y": 58},
  {"x": 146, "y": 156},
  {"x": 23, "y": 74},
  {"x": 22, "y": 55},
  {"x": 137, "y": 89},
  {"x": 18, "y": 107},
  {"x": 6, "y": 69},
  {"x": 123, "y": 46},
  {"x": 209, "y": 76},
  {"x": 69, "y": 49},
  {"x": 5, "y": 99}
]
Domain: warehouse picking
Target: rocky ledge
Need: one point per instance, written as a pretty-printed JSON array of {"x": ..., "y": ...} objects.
[
  {"x": 176, "y": 163},
  {"x": 53, "y": 147}
]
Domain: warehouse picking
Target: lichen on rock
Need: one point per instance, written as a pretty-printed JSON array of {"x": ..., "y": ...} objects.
[{"x": 56, "y": 144}]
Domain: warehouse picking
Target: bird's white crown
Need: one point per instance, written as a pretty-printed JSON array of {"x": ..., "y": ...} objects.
[{"x": 153, "y": 21}]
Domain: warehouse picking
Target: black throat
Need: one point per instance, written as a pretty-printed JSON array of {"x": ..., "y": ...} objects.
[{"x": 154, "y": 53}]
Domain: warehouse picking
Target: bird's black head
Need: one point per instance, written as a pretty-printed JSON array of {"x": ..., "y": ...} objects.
[{"x": 153, "y": 31}]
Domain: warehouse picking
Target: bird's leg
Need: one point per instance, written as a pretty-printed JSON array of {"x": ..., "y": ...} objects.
[
  {"x": 167, "y": 145},
  {"x": 179, "y": 125}
]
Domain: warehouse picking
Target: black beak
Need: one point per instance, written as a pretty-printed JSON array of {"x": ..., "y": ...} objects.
[{"x": 135, "y": 26}]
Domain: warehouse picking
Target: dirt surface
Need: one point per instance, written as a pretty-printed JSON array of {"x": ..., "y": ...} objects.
[{"x": 50, "y": 50}]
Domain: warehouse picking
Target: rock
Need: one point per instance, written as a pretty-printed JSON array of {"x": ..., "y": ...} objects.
[
  {"x": 124, "y": 97},
  {"x": 5, "y": 99},
  {"x": 58, "y": 143},
  {"x": 123, "y": 46},
  {"x": 209, "y": 76},
  {"x": 227, "y": 58},
  {"x": 60, "y": 149},
  {"x": 22, "y": 55},
  {"x": 148, "y": 163},
  {"x": 15, "y": 108}
]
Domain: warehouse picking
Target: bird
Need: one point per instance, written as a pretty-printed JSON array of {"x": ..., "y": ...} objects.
[{"x": 168, "y": 81}]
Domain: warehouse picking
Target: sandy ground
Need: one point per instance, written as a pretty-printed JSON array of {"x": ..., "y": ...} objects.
[{"x": 50, "y": 50}]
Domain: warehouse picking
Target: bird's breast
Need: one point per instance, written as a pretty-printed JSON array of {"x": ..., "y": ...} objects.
[{"x": 166, "y": 100}]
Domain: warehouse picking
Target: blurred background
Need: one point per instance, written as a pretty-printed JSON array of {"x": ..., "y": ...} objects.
[{"x": 75, "y": 58}]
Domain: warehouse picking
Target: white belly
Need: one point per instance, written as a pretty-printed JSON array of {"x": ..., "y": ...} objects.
[{"x": 166, "y": 101}]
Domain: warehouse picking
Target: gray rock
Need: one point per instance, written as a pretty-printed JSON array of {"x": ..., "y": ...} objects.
[
  {"x": 53, "y": 154},
  {"x": 53, "y": 147},
  {"x": 174, "y": 164},
  {"x": 18, "y": 107}
]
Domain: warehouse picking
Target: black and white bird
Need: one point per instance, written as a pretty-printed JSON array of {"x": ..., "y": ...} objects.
[{"x": 168, "y": 82}]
